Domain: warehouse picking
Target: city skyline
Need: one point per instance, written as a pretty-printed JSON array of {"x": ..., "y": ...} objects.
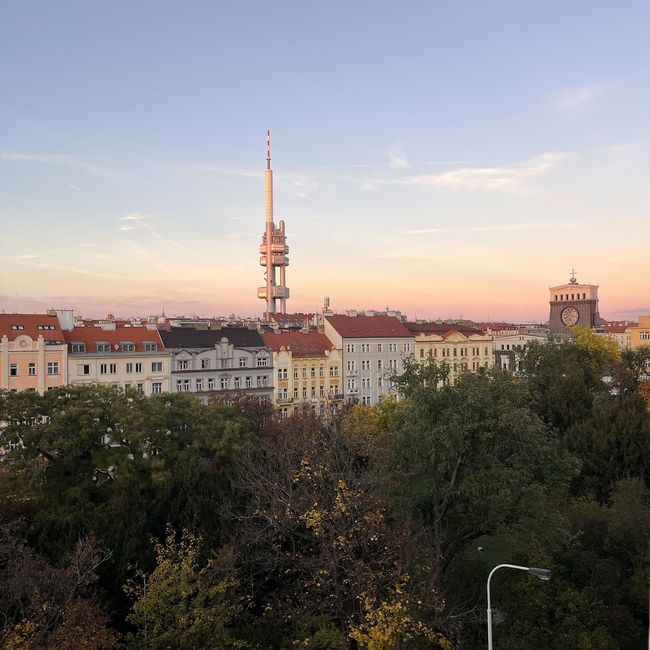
[{"x": 444, "y": 161}]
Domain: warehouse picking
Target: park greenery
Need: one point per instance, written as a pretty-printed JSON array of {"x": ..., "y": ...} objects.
[{"x": 154, "y": 523}]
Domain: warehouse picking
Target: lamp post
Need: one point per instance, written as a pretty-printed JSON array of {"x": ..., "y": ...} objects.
[{"x": 542, "y": 574}]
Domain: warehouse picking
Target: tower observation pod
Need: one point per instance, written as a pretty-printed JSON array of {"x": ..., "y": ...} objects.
[{"x": 273, "y": 250}]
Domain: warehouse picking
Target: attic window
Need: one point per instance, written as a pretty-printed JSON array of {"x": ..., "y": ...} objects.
[
  {"x": 150, "y": 346},
  {"x": 127, "y": 347},
  {"x": 17, "y": 327},
  {"x": 77, "y": 347},
  {"x": 103, "y": 347},
  {"x": 44, "y": 327}
]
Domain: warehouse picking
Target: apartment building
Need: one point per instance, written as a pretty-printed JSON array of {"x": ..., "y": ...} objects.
[
  {"x": 308, "y": 371},
  {"x": 458, "y": 346},
  {"x": 33, "y": 352},
  {"x": 373, "y": 347},
  {"x": 206, "y": 362},
  {"x": 117, "y": 355},
  {"x": 640, "y": 334}
]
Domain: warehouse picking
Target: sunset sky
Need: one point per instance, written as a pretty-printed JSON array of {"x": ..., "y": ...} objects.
[{"x": 446, "y": 159}]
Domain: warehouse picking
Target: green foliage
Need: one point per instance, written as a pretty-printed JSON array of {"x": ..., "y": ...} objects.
[
  {"x": 613, "y": 443},
  {"x": 184, "y": 602}
]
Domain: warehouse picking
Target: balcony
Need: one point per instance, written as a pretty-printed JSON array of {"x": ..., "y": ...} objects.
[
  {"x": 284, "y": 400},
  {"x": 353, "y": 391},
  {"x": 335, "y": 396},
  {"x": 351, "y": 373},
  {"x": 276, "y": 260}
]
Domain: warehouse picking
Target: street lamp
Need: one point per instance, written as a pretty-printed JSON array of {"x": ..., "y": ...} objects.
[{"x": 542, "y": 574}]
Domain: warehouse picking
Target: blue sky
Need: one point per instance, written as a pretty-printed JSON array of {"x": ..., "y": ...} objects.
[{"x": 441, "y": 158}]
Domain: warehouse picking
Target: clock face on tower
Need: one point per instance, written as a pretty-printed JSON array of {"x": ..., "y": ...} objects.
[{"x": 569, "y": 316}]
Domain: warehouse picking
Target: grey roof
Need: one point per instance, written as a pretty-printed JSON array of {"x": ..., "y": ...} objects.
[{"x": 187, "y": 337}]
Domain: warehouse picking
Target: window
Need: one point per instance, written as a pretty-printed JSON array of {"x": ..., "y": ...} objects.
[
  {"x": 304, "y": 392},
  {"x": 205, "y": 363},
  {"x": 77, "y": 347},
  {"x": 112, "y": 368},
  {"x": 127, "y": 347},
  {"x": 138, "y": 367},
  {"x": 156, "y": 388},
  {"x": 392, "y": 347},
  {"x": 17, "y": 327},
  {"x": 283, "y": 373},
  {"x": 352, "y": 384},
  {"x": 31, "y": 369},
  {"x": 295, "y": 373},
  {"x": 365, "y": 382},
  {"x": 352, "y": 366},
  {"x": 224, "y": 382},
  {"x": 183, "y": 364},
  {"x": 156, "y": 366},
  {"x": 103, "y": 347},
  {"x": 644, "y": 336},
  {"x": 334, "y": 371},
  {"x": 407, "y": 347},
  {"x": 211, "y": 383},
  {"x": 365, "y": 364},
  {"x": 83, "y": 369},
  {"x": 295, "y": 393},
  {"x": 52, "y": 367},
  {"x": 242, "y": 362},
  {"x": 321, "y": 372},
  {"x": 225, "y": 363},
  {"x": 45, "y": 327},
  {"x": 421, "y": 353},
  {"x": 249, "y": 382},
  {"x": 237, "y": 382},
  {"x": 321, "y": 391},
  {"x": 380, "y": 347},
  {"x": 366, "y": 399},
  {"x": 312, "y": 372},
  {"x": 103, "y": 368},
  {"x": 313, "y": 392},
  {"x": 304, "y": 373},
  {"x": 140, "y": 388},
  {"x": 150, "y": 347},
  {"x": 262, "y": 362},
  {"x": 365, "y": 347},
  {"x": 183, "y": 385},
  {"x": 351, "y": 347},
  {"x": 379, "y": 364},
  {"x": 199, "y": 384},
  {"x": 13, "y": 370},
  {"x": 129, "y": 368}
]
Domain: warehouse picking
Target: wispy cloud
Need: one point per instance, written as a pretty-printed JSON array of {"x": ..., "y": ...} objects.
[
  {"x": 75, "y": 188},
  {"x": 507, "y": 179},
  {"x": 397, "y": 159},
  {"x": 65, "y": 160},
  {"x": 550, "y": 225},
  {"x": 425, "y": 231},
  {"x": 136, "y": 220},
  {"x": 572, "y": 99},
  {"x": 26, "y": 256}
]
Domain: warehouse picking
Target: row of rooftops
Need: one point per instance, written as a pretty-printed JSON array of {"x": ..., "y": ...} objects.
[{"x": 116, "y": 336}]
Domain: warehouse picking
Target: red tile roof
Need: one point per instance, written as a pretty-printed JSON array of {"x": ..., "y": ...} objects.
[
  {"x": 368, "y": 326},
  {"x": 91, "y": 336},
  {"x": 33, "y": 325},
  {"x": 312, "y": 344}
]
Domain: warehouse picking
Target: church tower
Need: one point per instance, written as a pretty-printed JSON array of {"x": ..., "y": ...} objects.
[
  {"x": 573, "y": 304},
  {"x": 273, "y": 250}
]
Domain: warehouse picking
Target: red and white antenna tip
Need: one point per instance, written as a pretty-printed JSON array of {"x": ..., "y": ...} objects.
[{"x": 268, "y": 145}]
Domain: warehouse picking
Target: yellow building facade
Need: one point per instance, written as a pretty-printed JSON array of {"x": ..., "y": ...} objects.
[
  {"x": 307, "y": 371},
  {"x": 460, "y": 348},
  {"x": 640, "y": 335}
]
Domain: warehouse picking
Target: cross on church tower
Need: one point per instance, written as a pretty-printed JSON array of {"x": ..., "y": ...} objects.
[{"x": 573, "y": 276}]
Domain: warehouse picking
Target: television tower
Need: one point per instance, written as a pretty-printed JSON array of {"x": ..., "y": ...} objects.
[{"x": 273, "y": 250}]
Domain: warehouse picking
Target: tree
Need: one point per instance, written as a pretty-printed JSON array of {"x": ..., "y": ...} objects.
[
  {"x": 185, "y": 602},
  {"x": 43, "y": 606}
]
